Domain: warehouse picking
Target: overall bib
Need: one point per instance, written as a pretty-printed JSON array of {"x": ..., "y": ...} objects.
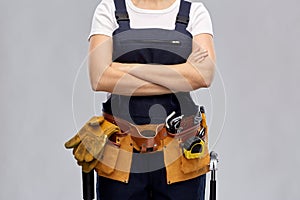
[{"x": 150, "y": 46}]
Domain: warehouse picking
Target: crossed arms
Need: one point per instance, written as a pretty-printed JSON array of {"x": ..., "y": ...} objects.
[{"x": 141, "y": 79}]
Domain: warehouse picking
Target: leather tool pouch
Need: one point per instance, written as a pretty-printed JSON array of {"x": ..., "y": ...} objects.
[
  {"x": 117, "y": 157},
  {"x": 109, "y": 158},
  {"x": 199, "y": 162},
  {"x": 178, "y": 167}
]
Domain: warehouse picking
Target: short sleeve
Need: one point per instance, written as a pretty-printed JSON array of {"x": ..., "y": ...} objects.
[
  {"x": 104, "y": 21},
  {"x": 200, "y": 21}
]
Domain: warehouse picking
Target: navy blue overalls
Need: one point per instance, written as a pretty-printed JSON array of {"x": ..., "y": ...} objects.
[{"x": 150, "y": 46}]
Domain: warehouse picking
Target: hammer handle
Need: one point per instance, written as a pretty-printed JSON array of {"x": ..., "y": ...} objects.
[{"x": 88, "y": 185}]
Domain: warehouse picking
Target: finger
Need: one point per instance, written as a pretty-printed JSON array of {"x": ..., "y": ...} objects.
[
  {"x": 201, "y": 56},
  {"x": 200, "y": 60},
  {"x": 74, "y": 150},
  {"x": 87, "y": 167},
  {"x": 201, "y": 53},
  {"x": 96, "y": 121},
  {"x": 92, "y": 164},
  {"x": 111, "y": 130},
  {"x": 80, "y": 153},
  {"x": 84, "y": 166},
  {"x": 91, "y": 144},
  {"x": 73, "y": 142},
  {"x": 99, "y": 150},
  {"x": 88, "y": 157}
]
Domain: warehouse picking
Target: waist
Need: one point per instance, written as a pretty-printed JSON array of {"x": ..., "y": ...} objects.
[
  {"x": 149, "y": 137},
  {"x": 150, "y": 109}
]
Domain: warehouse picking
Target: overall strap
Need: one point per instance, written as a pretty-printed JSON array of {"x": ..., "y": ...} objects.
[
  {"x": 121, "y": 16},
  {"x": 183, "y": 18}
]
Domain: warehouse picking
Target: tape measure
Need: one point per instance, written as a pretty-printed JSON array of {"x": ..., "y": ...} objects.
[{"x": 193, "y": 147}]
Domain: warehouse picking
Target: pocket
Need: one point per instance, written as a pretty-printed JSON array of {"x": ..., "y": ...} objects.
[
  {"x": 193, "y": 165},
  {"x": 107, "y": 163},
  {"x": 151, "y": 41}
]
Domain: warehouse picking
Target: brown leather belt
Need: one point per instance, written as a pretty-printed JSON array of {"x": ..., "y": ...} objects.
[{"x": 148, "y": 137}]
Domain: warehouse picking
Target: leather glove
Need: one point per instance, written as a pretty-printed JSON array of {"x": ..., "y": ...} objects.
[{"x": 89, "y": 142}]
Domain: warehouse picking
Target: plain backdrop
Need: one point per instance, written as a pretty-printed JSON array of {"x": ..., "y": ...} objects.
[{"x": 46, "y": 97}]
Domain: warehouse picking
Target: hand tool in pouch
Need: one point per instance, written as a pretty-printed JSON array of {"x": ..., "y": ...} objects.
[
  {"x": 194, "y": 146},
  {"x": 173, "y": 123}
]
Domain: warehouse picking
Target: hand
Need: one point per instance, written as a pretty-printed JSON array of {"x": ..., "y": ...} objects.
[
  {"x": 89, "y": 142},
  {"x": 197, "y": 56},
  {"x": 200, "y": 60}
]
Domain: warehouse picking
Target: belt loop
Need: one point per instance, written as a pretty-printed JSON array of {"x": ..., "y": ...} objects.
[{"x": 143, "y": 148}]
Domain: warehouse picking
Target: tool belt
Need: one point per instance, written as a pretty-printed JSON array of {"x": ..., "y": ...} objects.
[{"x": 151, "y": 139}]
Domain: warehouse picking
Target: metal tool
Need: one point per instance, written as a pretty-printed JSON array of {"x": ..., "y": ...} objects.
[
  {"x": 173, "y": 124},
  {"x": 194, "y": 146},
  {"x": 198, "y": 117},
  {"x": 213, "y": 168},
  {"x": 201, "y": 133}
]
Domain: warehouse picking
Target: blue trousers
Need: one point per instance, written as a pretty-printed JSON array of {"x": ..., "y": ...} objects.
[{"x": 151, "y": 186}]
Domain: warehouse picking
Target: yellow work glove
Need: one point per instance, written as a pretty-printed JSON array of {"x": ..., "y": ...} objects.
[{"x": 89, "y": 142}]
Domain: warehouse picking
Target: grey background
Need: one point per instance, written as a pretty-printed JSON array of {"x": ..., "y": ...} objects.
[{"x": 43, "y": 44}]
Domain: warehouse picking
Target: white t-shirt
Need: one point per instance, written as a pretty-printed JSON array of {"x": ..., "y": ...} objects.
[{"x": 104, "y": 20}]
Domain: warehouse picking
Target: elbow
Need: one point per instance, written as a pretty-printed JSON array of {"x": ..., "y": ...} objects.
[
  {"x": 205, "y": 85},
  {"x": 99, "y": 85},
  {"x": 204, "y": 76},
  {"x": 95, "y": 85},
  {"x": 208, "y": 76},
  {"x": 205, "y": 81},
  {"x": 96, "y": 81}
]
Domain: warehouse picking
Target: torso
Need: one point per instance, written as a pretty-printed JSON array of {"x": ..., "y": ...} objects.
[{"x": 148, "y": 46}]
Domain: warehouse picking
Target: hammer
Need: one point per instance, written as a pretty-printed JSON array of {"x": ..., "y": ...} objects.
[{"x": 213, "y": 168}]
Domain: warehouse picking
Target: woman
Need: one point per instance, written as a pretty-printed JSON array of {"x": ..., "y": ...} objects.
[{"x": 148, "y": 55}]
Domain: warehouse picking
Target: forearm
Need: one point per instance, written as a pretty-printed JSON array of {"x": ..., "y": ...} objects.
[
  {"x": 118, "y": 82},
  {"x": 105, "y": 77},
  {"x": 146, "y": 79},
  {"x": 178, "y": 77},
  {"x": 197, "y": 72}
]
